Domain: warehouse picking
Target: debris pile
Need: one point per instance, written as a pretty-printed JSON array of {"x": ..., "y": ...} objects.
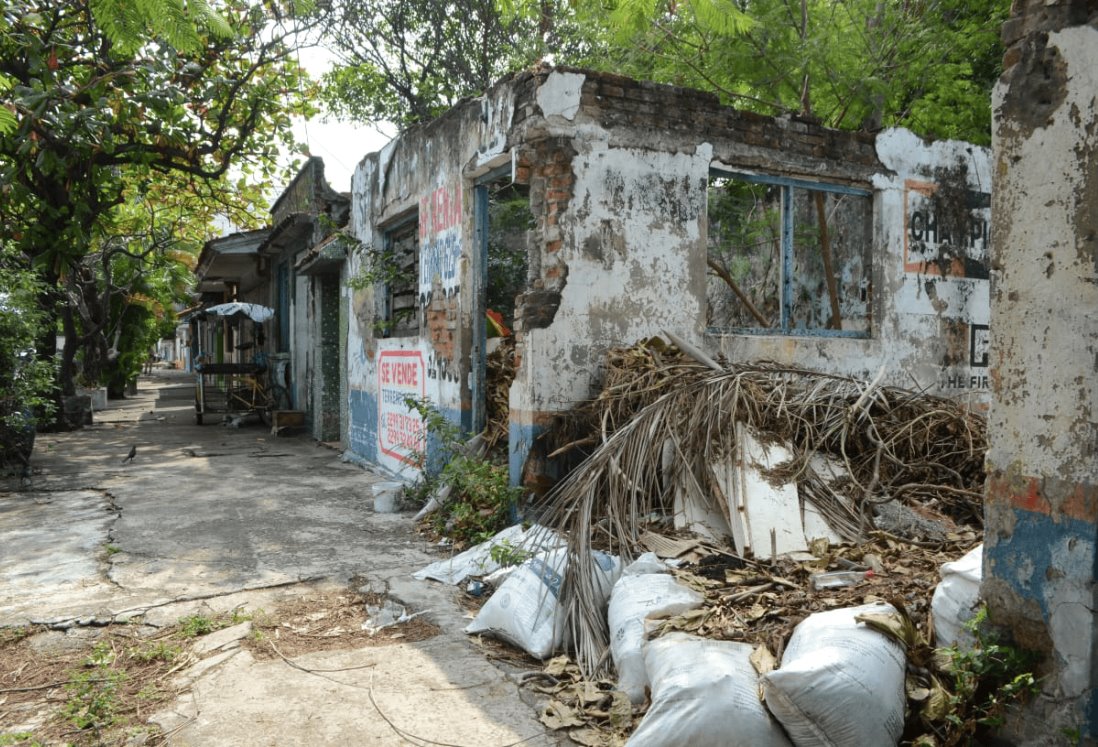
[
  {"x": 759, "y": 499},
  {"x": 673, "y": 438}
]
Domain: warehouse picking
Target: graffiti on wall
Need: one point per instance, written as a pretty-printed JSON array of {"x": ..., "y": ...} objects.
[
  {"x": 440, "y": 214},
  {"x": 946, "y": 230},
  {"x": 401, "y": 374},
  {"x": 969, "y": 370}
]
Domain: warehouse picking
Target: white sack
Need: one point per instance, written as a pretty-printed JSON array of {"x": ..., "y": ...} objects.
[
  {"x": 955, "y": 599},
  {"x": 841, "y": 683},
  {"x": 644, "y": 591},
  {"x": 477, "y": 560},
  {"x": 526, "y": 611},
  {"x": 705, "y": 693}
]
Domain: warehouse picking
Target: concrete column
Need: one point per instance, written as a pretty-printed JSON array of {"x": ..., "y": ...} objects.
[{"x": 1041, "y": 547}]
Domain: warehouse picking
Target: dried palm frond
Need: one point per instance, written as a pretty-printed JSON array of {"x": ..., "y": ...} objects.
[
  {"x": 500, "y": 375},
  {"x": 893, "y": 443}
]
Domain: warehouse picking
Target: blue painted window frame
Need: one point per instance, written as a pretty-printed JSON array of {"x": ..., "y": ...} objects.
[{"x": 787, "y": 185}]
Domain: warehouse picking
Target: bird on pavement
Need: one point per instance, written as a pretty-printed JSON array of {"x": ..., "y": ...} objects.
[{"x": 131, "y": 455}]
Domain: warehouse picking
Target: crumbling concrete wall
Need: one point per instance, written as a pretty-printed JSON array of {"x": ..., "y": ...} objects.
[
  {"x": 618, "y": 175},
  {"x": 1042, "y": 493},
  {"x": 427, "y": 176}
]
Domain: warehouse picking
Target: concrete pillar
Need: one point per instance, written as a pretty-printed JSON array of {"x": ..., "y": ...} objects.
[{"x": 1041, "y": 548}]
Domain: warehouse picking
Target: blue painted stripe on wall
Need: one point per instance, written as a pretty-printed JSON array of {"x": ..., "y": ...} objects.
[
  {"x": 521, "y": 439},
  {"x": 1023, "y": 560},
  {"x": 362, "y": 428}
]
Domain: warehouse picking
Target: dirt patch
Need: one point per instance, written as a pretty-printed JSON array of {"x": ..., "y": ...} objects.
[
  {"x": 97, "y": 694},
  {"x": 98, "y": 686},
  {"x": 328, "y": 621}
]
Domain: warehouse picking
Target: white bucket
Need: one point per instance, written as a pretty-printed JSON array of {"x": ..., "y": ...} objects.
[{"x": 387, "y": 497}]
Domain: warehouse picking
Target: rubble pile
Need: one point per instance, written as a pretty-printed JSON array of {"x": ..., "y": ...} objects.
[
  {"x": 785, "y": 528},
  {"x": 745, "y": 451}
]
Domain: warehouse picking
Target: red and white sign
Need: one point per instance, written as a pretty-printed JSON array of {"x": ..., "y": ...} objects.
[{"x": 401, "y": 375}]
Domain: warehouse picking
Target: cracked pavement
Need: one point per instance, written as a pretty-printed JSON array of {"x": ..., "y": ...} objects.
[{"x": 208, "y": 517}]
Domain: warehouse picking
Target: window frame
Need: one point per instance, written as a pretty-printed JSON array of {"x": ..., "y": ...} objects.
[
  {"x": 786, "y": 282},
  {"x": 398, "y": 228}
]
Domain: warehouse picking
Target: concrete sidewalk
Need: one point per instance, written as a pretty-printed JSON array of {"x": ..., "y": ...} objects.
[{"x": 218, "y": 517}]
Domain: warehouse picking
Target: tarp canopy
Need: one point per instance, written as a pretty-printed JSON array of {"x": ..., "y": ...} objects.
[{"x": 239, "y": 310}]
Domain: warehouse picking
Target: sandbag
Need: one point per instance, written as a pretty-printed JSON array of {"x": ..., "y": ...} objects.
[
  {"x": 525, "y": 609},
  {"x": 841, "y": 683},
  {"x": 644, "y": 591},
  {"x": 705, "y": 693},
  {"x": 477, "y": 560},
  {"x": 955, "y": 600}
]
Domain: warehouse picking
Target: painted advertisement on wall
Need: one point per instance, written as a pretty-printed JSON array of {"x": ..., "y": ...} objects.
[
  {"x": 946, "y": 231},
  {"x": 440, "y": 216},
  {"x": 401, "y": 433},
  {"x": 946, "y": 265}
]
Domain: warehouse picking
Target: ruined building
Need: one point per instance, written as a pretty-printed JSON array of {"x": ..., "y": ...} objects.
[{"x": 590, "y": 210}]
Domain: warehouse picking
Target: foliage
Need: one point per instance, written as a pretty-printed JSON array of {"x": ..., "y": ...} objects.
[
  {"x": 193, "y": 626},
  {"x": 93, "y": 691},
  {"x": 407, "y": 61},
  {"x": 120, "y": 106},
  {"x": 928, "y": 66},
  {"x": 24, "y": 380},
  {"x": 158, "y": 651},
  {"x": 509, "y": 219},
  {"x": 506, "y": 554},
  {"x": 481, "y": 500},
  {"x": 984, "y": 682}
]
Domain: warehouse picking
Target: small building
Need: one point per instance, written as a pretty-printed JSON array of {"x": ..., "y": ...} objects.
[
  {"x": 590, "y": 211},
  {"x": 293, "y": 267}
]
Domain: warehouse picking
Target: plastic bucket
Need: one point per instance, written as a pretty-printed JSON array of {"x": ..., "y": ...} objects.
[{"x": 387, "y": 497}]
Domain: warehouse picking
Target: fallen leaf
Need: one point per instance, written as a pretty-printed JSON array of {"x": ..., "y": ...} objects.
[
  {"x": 621, "y": 710},
  {"x": 557, "y": 665},
  {"x": 559, "y": 716},
  {"x": 763, "y": 660}
]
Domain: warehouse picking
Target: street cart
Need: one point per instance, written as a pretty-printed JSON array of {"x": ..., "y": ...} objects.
[{"x": 234, "y": 387}]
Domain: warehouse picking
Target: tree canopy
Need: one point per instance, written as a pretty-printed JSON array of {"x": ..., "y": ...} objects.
[
  {"x": 407, "y": 61},
  {"x": 855, "y": 64},
  {"x": 129, "y": 125}
]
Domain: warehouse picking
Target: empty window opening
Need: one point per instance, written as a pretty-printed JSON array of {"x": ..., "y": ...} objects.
[
  {"x": 509, "y": 223},
  {"x": 788, "y": 257},
  {"x": 400, "y": 316}
]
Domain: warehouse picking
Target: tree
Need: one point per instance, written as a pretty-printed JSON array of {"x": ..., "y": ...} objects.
[
  {"x": 117, "y": 102},
  {"x": 24, "y": 380},
  {"x": 855, "y": 64},
  {"x": 407, "y": 61}
]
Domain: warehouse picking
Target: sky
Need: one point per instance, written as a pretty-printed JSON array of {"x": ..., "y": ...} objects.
[{"x": 341, "y": 144}]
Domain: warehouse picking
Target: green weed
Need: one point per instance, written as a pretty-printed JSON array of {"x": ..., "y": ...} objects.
[
  {"x": 93, "y": 699},
  {"x": 159, "y": 651},
  {"x": 193, "y": 626}
]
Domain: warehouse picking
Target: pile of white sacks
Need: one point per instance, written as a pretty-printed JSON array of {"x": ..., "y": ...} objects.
[{"x": 839, "y": 682}]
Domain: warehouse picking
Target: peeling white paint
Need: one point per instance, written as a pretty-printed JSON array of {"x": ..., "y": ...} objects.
[
  {"x": 497, "y": 109},
  {"x": 559, "y": 96},
  {"x": 1049, "y": 330}
]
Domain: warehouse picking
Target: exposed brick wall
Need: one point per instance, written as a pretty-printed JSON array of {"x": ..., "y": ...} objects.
[
  {"x": 1035, "y": 16},
  {"x": 617, "y": 101}
]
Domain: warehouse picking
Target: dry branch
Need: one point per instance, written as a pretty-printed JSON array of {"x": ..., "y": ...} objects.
[{"x": 893, "y": 444}]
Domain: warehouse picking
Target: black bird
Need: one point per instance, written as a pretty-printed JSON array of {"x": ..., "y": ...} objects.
[{"x": 131, "y": 455}]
